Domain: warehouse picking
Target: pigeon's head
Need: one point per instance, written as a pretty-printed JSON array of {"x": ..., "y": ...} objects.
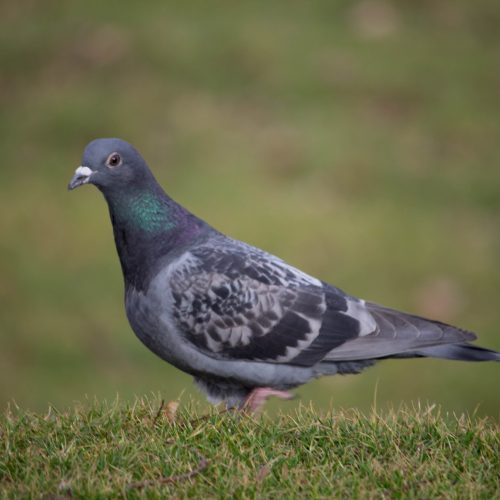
[{"x": 111, "y": 164}]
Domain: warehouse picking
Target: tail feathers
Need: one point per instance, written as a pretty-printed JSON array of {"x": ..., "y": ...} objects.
[
  {"x": 398, "y": 334},
  {"x": 457, "y": 352},
  {"x": 461, "y": 352},
  {"x": 402, "y": 335}
]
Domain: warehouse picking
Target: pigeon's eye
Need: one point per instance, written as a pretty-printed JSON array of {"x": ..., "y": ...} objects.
[{"x": 114, "y": 160}]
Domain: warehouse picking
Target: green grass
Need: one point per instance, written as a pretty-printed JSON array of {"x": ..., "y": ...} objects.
[{"x": 133, "y": 449}]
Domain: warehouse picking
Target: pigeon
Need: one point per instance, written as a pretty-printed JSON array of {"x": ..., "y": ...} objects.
[{"x": 244, "y": 323}]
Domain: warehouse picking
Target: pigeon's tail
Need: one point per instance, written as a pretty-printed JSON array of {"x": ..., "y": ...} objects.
[
  {"x": 461, "y": 352},
  {"x": 457, "y": 352},
  {"x": 402, "y": 335}
]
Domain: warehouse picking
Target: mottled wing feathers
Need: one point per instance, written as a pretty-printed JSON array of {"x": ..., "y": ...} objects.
[
  {"x": 342, "y": 320},
  {"x": 238, "y": 302},
  {"x": 234, "y": 301}
]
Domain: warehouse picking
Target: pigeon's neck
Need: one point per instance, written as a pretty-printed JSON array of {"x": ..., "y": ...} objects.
[
  {"x": 148, "y": 226},
  {"x": 147, "y": 212}
]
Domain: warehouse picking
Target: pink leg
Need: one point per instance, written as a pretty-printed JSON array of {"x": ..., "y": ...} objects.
[{"x": 256, "y": 399}]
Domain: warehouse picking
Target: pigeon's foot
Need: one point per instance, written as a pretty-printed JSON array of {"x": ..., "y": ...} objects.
[{"x": 256, "y": 399}]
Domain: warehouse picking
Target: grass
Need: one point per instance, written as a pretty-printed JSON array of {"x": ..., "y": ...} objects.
[{"x": 144, "y": 449}]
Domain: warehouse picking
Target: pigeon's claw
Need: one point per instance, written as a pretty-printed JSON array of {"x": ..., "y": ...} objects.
[{"x": 257, "y": 398}]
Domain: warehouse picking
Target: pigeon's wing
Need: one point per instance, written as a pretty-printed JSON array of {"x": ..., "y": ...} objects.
[{"x": 236, "y": 302}]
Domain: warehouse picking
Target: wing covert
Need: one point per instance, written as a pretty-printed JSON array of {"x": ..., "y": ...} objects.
[{"x": 241, "y": 303}]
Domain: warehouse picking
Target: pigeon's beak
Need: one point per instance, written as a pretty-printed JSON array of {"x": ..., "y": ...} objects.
[{"x": 82, "y": 176}]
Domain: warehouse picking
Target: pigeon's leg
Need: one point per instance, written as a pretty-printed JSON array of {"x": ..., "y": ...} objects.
[{"x": 256, "y": 399}]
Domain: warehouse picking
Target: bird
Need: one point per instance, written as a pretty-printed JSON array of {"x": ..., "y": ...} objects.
[{"x": 244, "y": 323}]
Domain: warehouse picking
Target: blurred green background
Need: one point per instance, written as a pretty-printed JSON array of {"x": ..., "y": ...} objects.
[{"x": 357, "y": 140}]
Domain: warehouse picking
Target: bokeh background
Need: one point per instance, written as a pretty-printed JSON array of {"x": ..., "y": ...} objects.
[{"x": 359, "y": 140}]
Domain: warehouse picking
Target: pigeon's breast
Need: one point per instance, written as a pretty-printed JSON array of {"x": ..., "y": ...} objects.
[
  {"x": 146, "y": 314},
  {"x": 150, "y": 316}
]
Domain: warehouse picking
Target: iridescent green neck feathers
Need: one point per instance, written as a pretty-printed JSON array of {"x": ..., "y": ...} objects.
[{"x": 145, "y": 211}]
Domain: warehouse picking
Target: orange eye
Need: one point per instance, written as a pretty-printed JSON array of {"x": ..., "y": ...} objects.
[{"x": 114, "y": 160}]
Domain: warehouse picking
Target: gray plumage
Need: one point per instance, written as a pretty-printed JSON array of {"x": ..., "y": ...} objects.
[{"x": 234, "y": 316}]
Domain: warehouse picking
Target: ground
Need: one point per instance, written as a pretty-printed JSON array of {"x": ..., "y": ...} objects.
[{"x": 148, "y": 449}]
